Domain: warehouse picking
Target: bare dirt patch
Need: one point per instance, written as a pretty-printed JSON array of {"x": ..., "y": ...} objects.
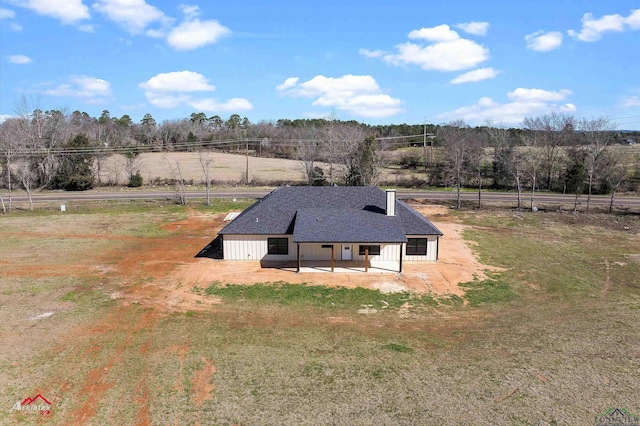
[{"x": 202, "y": 386}]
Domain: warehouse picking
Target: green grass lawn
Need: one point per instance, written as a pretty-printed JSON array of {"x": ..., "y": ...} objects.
[{"x": 554, "y": 339}]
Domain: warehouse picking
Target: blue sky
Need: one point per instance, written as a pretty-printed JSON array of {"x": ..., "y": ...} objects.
[{"x": 375, "y": 61}]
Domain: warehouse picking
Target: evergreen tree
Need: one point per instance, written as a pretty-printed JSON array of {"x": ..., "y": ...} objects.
[
  {"x": 74, "y": 173},
  {"x": 364, "y": 169}
]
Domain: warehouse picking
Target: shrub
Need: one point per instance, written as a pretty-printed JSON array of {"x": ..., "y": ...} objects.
[{"x": 135, "y": 181}]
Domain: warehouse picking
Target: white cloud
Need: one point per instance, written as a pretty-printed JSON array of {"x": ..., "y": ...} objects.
[
  {"x": 445, "y": 56},
  {"x": 133, "y": 15},
  {"x": 178, "y": 81},
  {"x": 439, "y": 33},
  {"x": 535, "y": 95},
  {"x": 190, "y": 11},
  {"x": 195, "y": 33},
  {"x": 544, "y": 41},
  {"x": 372, "y": 53},
  {"x": 593, "y": 29},
  {"x": 6, "y": 14},
  {"x": 5, "y": 117},
  {"x": 524, "y": 103},
  {"x": 169, "y": 90},
  {"x": 475, "y": 75},
  {"x": 86, "y": 28},
  {"x": 288, "y": 83},
  {"x": 444, "y": 50},
  {"x": 633, "y": 20},
  {"x": 359, "y": 95},
  {"x": 19, "y": 59},
  {"x": 475, "y": 28},
  {"x": 233, "y": 104},
  {"x": 10, "y": 14},
  {"x": 156, "y": 33},
  {"x": 92, "y": 89},
  {"x": 631, "y": 101},
  {"x": 67, "y": 11}
]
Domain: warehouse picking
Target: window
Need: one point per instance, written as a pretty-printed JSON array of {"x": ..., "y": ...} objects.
[
  {"x": 373, "y": 250},
  {"x": 417, "y": 247},
  {"x": 278, "y": 245}
]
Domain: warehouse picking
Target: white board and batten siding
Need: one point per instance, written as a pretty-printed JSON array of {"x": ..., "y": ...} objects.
[
  {"x": 254, "y": 247},
  {"x": 313, "y": 251},
  {"x": 432, "y": 249},
  {"x": 387, "y": 252}
]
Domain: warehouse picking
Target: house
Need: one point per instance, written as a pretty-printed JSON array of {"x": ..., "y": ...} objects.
[{"x": 305, "y": 225}]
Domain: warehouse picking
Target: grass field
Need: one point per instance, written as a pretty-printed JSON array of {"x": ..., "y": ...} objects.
[
  {"x": 553, "y": 339},
  {"x": 226, "y": 169}
]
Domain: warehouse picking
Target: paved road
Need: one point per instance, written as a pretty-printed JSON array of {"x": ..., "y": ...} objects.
[{"x": 61, "y": 197}]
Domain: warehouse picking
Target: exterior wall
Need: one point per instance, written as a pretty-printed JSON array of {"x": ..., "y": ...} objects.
[
  {"x": 254, "y": 247},
  {"x": 316, "y": 252},
  {"x": 388, "y": 252},
  {"x": 312, "y": 251},
  {"x": 432, "y": 249}
]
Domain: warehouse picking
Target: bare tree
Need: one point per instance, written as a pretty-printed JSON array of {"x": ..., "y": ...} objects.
[
  {"x": 554, "y": 132},
  {"x": 307, "y": 151},
  {"x": 176, "y": 173},
  {"x": 9, "y": 140},
  {"x": 331, "y": 145},
  {"x": 476, "y": 161},
  {"x": 206, "y": 159},
  {"x": 27, "y": 177},
  {"x": 348, "y": 137},
  {"x": 515, "y": 165},
  {"x": 4, "y": 207},
  {"x": 533, "y": 158},
  {"x": 595, "y": 133},
  {"x": 133, "y": 163},
  {"x": 457, "y": 141},
  {"x": 42, "y": 132},
  {"x": 614, "y": 172}
]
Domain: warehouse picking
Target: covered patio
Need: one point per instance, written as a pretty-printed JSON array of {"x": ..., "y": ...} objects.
[{"x": 337, "y": 266}]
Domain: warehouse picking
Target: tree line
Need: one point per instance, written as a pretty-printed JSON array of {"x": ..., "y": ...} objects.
[{"x": 553, "y": 152}]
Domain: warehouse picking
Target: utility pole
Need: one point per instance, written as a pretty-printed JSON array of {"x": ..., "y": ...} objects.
[
  {"x": 246, "y": 174},
  {"x": 424, "y": 144}
]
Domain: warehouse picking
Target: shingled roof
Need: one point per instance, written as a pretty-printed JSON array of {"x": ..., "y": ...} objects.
[
  {"x": 346, "y": 226},
  {"x": 330, "y": 214}
]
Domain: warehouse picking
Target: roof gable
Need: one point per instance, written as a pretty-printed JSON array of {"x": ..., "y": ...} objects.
[{"x": 346, "y": 226}]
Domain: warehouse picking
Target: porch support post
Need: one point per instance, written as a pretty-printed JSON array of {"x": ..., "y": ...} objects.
[
  {"x": 298, "y": 245},
  {"x": 332, "y": 256},
  {"x": 366, "y": 258},
  {"x": 401, "y": 250}
]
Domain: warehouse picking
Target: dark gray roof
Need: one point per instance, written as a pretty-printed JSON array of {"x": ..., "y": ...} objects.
[
  {"x": 346, "y": 226},
  {"x": 275, "y": 214}
]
